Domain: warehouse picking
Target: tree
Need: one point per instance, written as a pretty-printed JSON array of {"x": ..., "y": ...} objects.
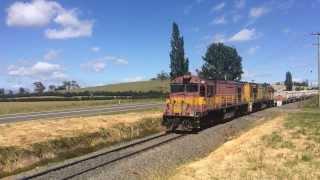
[
  {"x": 74, "y": 85},
  {"x": 179, "y": 64},
  {"x": 162, "y": 76},
  {"x": 288, "y": 82},
  {"x": 10, "y": 92},
  {"x": 52, "y": 88},
  {"x": 39, "y": 87},
  {"x": 68, "y": 85},
  {"x": 221, "y": 63},
  {"x": 22, "y": 91},
  {"x": 2, "y": 92}
]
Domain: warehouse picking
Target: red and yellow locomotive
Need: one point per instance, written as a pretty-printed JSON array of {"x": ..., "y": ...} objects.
[{"x": 195, "y": 102}]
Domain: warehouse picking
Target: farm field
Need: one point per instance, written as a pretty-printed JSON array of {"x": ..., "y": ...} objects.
[
  {"x": 25, "y": 145},
  {"x": 140, "y": 86},
  {"x": 27, "y": 107},
  {"x": 286, "y": 147}
]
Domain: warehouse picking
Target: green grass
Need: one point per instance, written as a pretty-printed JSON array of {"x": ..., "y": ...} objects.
[
  {"x": 26, "y": 107},
  {"x": 140, "y": 86},
  {"x": 310, "y": 104},
  {"x": 276, "y": 141},
  {"x": 305, "y": 123},
  {"x": 68, "y": 147}
]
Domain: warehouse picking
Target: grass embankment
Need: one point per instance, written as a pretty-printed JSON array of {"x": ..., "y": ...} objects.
[
  {"x": 287, "y": 147},
  {"x": 26, "y": 107},
  {"x": 26, "y": 145},
  {"x": 140, "y": 86}
]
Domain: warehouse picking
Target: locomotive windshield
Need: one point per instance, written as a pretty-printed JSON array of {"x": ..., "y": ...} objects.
[
  {"x": 175, "y": 88},
  {"x": 192, "y": 87}
]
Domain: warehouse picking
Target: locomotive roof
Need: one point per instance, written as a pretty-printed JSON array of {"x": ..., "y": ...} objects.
[{"x": 197, "y": 79}]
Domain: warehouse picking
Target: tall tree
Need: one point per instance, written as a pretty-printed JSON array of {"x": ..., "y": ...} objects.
[
  {"x": 222, "y": 63},
  {"x": 179, "y": 64},
  {"x": 288, "y": 82},
  {"x": 39, "y": 87}
]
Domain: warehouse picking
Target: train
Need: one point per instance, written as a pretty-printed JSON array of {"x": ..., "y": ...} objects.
[{"x": 195, "y": 102}]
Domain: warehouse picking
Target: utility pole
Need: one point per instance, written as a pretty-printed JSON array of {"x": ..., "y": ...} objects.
[{"x": 318, "y": 46}]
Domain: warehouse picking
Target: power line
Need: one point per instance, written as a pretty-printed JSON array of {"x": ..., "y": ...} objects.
[{"x": 317, "y": 34}]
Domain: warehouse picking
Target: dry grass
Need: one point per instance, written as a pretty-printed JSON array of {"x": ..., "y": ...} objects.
[
  {"x": 23, "y": 134},
  {"x": 28, "y": 144},
  {"x": 286, "y": 147}
]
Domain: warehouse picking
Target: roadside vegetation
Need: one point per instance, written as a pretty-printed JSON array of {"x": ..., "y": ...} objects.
[
  {"x": 37, "y": 143},
  {"x": 287, "y": 147},
  {"x": 26, "y": 107}
]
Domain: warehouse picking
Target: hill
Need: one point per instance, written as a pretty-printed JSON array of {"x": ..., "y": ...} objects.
[{"x": 140, "y": 86}]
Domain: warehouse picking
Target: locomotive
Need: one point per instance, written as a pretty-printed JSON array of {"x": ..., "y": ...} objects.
[{"x": 195, "y": 102}]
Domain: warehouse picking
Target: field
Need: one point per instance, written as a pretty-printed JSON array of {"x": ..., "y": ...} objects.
[
  {"x": 26, "y": 107},
  {"x": 287, "y": 147},
  {"x": 141, "y": 86},
  {"x": 25, "y": 145}
]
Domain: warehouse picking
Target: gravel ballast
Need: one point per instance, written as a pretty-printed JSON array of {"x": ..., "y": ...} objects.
[{"x": 164, "y": 159}]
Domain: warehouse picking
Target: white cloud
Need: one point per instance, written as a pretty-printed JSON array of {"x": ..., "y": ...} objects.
[
  {"x": 244, "y": 35},
  {"x": 95, "y": 49},
  {"x": 116, "y": 60},
  {"x": 219, "y": 20},
  {"x": 35, "y": 13},
  {"x": 95, "y": 66},
  {"x": 51, "y": 55},
  {"x": 121, "y": 61},
  {"x": 219, "y": 7},
  {"x": 45, "y": 12},
  {"x": 101, "y": 64},
  {"x": 71, "y": 27},
  {"x": 133, "y": 79},
  {"x": 258, "y": 12},
  {"x": 57, "y": 75},
  {"x": 253, "y": 50},
  {"x": 40, "y": 71},
  {"x": 239, "y": 4}
]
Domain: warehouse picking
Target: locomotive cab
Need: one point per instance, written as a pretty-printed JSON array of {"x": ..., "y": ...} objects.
[{"x": 185, "y": 103}]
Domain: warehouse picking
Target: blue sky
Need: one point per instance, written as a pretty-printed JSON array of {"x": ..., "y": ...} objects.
[{"x": 101, "y": 42}]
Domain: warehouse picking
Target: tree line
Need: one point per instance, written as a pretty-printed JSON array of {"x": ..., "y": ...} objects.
[{"x": 40, "y": 89}]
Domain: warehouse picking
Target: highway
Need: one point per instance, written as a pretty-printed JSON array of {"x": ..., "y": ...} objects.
[{"x": 12, "y": 118}]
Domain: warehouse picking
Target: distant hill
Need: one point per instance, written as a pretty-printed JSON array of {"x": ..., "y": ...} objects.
[{"x": 140, "y": 86}]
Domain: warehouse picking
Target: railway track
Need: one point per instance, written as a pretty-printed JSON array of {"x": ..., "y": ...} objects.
[{"x": 76, "y": 168}]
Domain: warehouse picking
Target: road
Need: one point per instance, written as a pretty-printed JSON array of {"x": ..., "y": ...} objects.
[{"x": 12, "y": 118}]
